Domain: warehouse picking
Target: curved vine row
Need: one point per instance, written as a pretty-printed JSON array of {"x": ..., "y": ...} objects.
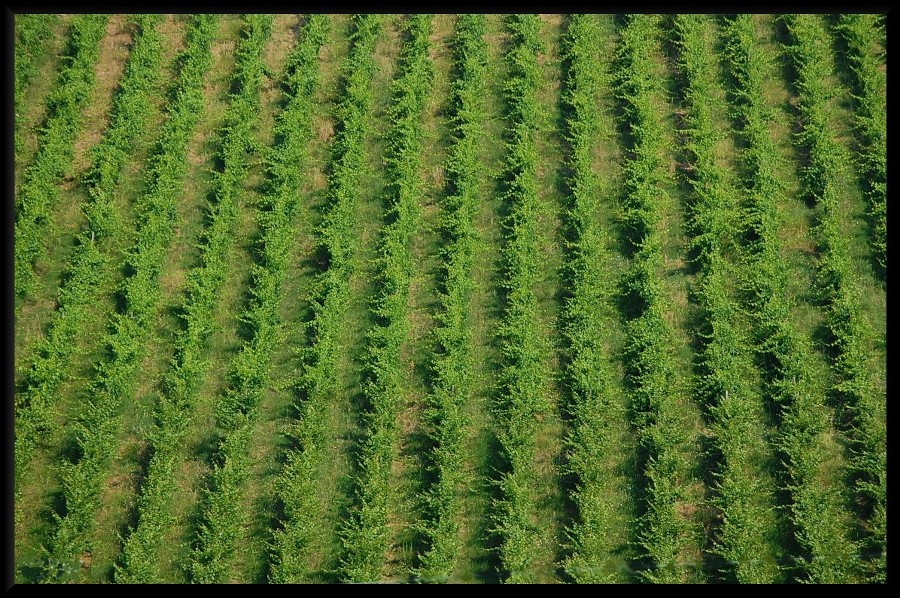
[
  {"x": 523, "y": 377},
  {"x": 665, "y": 532},
  {"x": 32, "y": 32},
  {"x": 596, "y": 414},
  {"x": 220, "y": 519},
  {"x": 860, "y": 32},
  {"x": 97, "y": 424},
  {"x": 293, "y": 127},
  {"x": 336, "y": 240},
  {"x": 850, "y": 335},
  {"x": 813, "y": 512},
  {"x": 139, "y": 563},
  {"x": 452, "y": 363},
  {"x": 39, "y": 192},
  {"x": 366, "y": 536},
  {"x": 746, "y": 501},
  {"x": 90, "y": 265}
]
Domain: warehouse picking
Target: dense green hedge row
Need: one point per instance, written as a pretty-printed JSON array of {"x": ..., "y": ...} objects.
[
  {"x": 827, "y": 166},
  {"x": 596, "y": 413},
  {"x": 725, "y": 359},
  {"x": 51, "y": 365},
  {"x": 139, "y": 562},
  {"x": 130, "y": 111},
  {"x": 32, "y": 32},
  {"x": 97, "y": 423},
  {"x": 814, "y": 513},
  {"x": 39, "y": 192},
  {"x": 861, "y": 33},
  {"x": 89, "y": 266},
  {"x": 665, "y": 532},
  {"x": 523, "y": 378},
  {"x": 452, "y": 365},
  {"x": 366, "y": 537},
  {"x": 293, "y": 129},
  {"x": 220, "y": 519},
  {"x": 336, "y": 239}
]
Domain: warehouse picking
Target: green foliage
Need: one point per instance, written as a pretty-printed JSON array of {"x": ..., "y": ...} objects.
[
  {"x": 366, "y": 536},
  {"x": 139, "y": 562},
  {"x": 32, "y": 33},
  {"x": 96, "y": 425},
  {"x": 39, "y": 192},
  {"x": 850, "y": 335},
  {"x": 815, "y": 512},
  {"x": 452, "y": 363},
  {"x": 297, "y": 485},
  {"x": 665, "y": 533},
  {"x": 131, "y": 109},
  {"x": 523, "y": 377},
  {"x": 88, "y": 267},
  {"x": 860, "y": 32},
  {"x": 293, "y": 128},
  {"x": 596, "y": 413},
  {"x": 725, "y": 358},
  {"x": 35, "y": 403},
  {"x": 220, "y": 523},
  {"x": 749, "y": 352}
]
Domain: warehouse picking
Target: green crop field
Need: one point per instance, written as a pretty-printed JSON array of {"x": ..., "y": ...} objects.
[{"x": 450, "y": 298}]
